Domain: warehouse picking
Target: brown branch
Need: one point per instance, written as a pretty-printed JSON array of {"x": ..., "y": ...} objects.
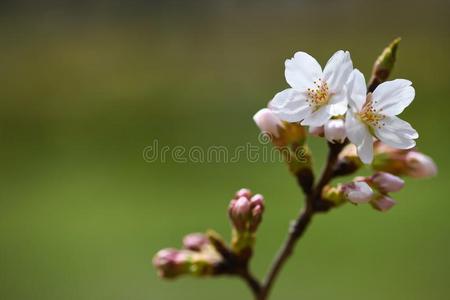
[
  {"x": 252, "y": 282},
  {"x": 314, "y": 204}
]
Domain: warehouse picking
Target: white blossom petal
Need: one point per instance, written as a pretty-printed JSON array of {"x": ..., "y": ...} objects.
[
  {"x": 358, "y": 133},
  {"x": 338, "y": 104},
  {"x": 302, "y": 70},
  {"x": 337, "y": 70},
  {"x": 317, "y": 118},
  {"x": 392, "y": 138},
  {"x": 356, "y": 90},
  {"x": 290, "y": 105},
  {"x": 355, "y": 129},
  {"x": 402, "y": 128},
  {"x": 392, "y": 97},
  {"x": 365, "y": 150}
]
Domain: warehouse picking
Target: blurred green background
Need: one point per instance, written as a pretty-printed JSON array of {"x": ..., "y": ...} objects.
[{"x": 87, "y": 85}]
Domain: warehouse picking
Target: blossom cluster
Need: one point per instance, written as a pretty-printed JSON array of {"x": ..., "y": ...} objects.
[
  {"x": 336, "y": 99},
  {"x": 335, "y": 103},
  {"x": 206, "y": 254}
]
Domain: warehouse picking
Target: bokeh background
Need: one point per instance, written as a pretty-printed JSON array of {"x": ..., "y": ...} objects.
[{"x": 85, "y": 86}]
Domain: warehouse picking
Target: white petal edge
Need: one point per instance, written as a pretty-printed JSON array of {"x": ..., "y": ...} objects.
[
  {"x": 302, "y": 70},
  {"x": 317, "y": 118},
  {"x": 400, "y": 126},
  {"x": 394, "y": 139},
  {"x": 365, "y": 150},
  {"x": 356, "y": 90},
  {"x": 392, "y": 97},
  {"x": 337, "y": 70},
  {"x": 290, "y": 105}
]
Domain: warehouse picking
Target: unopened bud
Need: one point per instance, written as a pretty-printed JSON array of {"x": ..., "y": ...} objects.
[
  {"x": 240, "y": 213},
  {"x": 403, "y": 162},
  {"x": 245, "y": 212},
  {"x": 268, "y": 122},
  {"x": 282, "y": 134},
  {"x": 257, "y": 206},
  {"x": 257, "y": 200},
  {"x": 348, "y": 161},
  {"x": 358, "y": 192},
  {"x": 383, "y": 203},
  {"x": 334, "y": 131},
  {"x": 383, "y": 65},
  {"x": 386, "y": 183},
  {"x": 244, "y": 193},
  {"x": 171, "y": 263},
  {"x": 420, "y": 165},
  {"x": 195, "y": 241}
]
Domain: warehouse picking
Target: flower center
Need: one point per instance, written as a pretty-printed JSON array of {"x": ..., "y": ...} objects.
[
  {"x": 370, "y": 115},
  {"x": 318, "y": 96}
]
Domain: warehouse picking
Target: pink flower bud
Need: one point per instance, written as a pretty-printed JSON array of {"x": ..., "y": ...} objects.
[
  {"x": 257, "y": 205},
  {"x": 195, "y": 241},
  {"x": 240, "y": 213},
  {"x": 386, "y": 183},
  {"x": 243, "y": 193},
  {"x": 257, "y": 200},
  {"x": 268, "y": 122},
  {"x": 335, "y": 130},
  {"x": 420, "y": 165},
  {"x": 245, "y": 212},
  {"x": 383, "y": 203},
  {"x": 358, "y": 192},
  {"x": 170, "y": 262}
]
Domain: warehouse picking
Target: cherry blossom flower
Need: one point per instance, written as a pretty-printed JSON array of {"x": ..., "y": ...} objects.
[
  {"x": 375, "y": 115},
  {"x": 315, "y": 95}
]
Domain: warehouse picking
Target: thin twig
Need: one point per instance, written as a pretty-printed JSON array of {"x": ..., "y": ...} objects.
[
  {"x": 252, "y": 282},
  {"x": 300, "y": 225}
]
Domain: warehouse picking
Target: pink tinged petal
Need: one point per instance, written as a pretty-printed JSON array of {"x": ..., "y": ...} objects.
[
  {"x": 290, "y": 105},
  {"x": 267, "y": 121},
  {"x": 383, "y": 203},
  {"x": 386, "y": 182},
  {"x": 356, "y": 90},
  {"x": 337, "y": 70},
  {"x": 317, "y": 118},
  {"x": 243, "y": 193},
  {"x": 195, "y": 241},
  {"x": 358, "y": 192},
  {"x": 392, "y": 97},
  {"x": 420, "y": 165},
  {"x": 335, "y": 130},
  {"x": 301, "y": 71},
  {"x": 257, "y": 200}
]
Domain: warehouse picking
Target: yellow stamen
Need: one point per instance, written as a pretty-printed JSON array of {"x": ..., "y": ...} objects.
[
  {"x": 370, "y": 115},
  {"x": 319, "y": 96}
]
